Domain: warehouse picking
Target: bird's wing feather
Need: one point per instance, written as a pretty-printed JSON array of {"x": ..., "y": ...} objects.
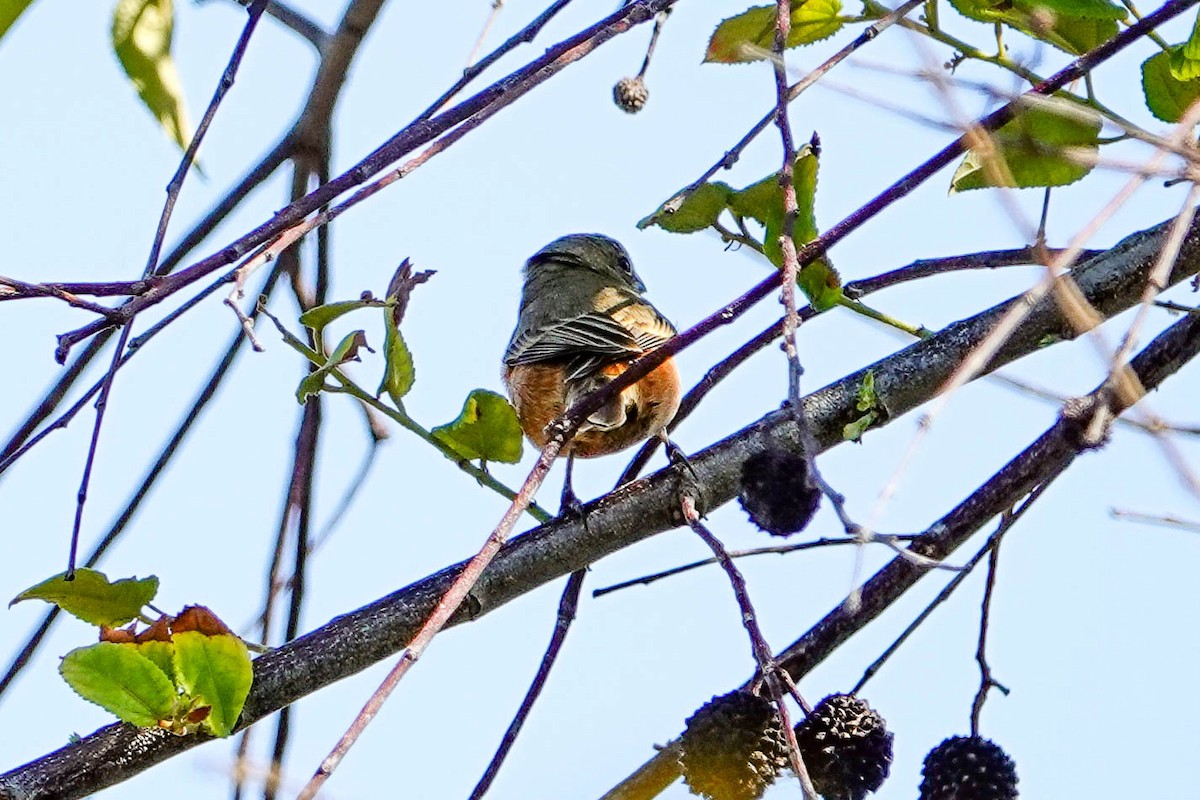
[{"x": 592, "y": 334}]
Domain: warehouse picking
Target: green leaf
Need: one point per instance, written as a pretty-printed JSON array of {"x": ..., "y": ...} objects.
[
  {"x": 853, "y": 431},
  {"x": 9, "y": 11},
  {"x": 1075, "y": 26},
  {"x": 1079, "y": 9},
  {"x": 320, "y": 316},
  {"x": 699, "y": 210},
  {"x": 750, "y": 36},
  {"x": 865, "y": 398},
  {"x": 763, "y": 202},
  {"x": 1191, "y": 48},
  {"x": 215, "y": 671},
  {"x": 1077, "y": 35},
  {"x": 866, "y": 401},
  {"x": 141, "y": 36},
  {"x": 92, "y": 598},
  {"x": 120, "y": 679},
  {"x": 486, "y": 429},
  {"x": 399, "y": 374},
  {"x": 347, "y": 350},
  {"x": 161, "y": 654},
  {"x": 1167, "y": 97},
  {"x": 1183, "y": 66},
  {"x": 1031, "y": 150}
]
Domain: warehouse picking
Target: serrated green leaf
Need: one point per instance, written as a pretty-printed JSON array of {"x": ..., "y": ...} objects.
[
  {"x": 9, "y": 11},
  {"x": 320, "y": 316},
  {"x": 399, "y": 373},
  {"x": 93, "y": 598},
  {"x": 141, "y": 37},
  {"x": 486, "y": 429},
  {"x": 750, "y": 36},
  {"x": 1032, "y": 149},
  {"x": 699, "y": 210},
  {"x": 118, "y": 678},
  {"x": 215, "y": 671},
  {"x": 347, "y": 350},
  {"x": 1167, "y": 97}
]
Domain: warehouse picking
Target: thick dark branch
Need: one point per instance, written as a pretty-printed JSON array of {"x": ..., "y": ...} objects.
[{"x": 1112, "y": 282}]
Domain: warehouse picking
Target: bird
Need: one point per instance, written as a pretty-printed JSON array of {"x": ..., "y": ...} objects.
[{"x": 583, "y": 319}]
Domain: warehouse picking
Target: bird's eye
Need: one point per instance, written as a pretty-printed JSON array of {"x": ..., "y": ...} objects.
[{"x": 625, "y": 264}]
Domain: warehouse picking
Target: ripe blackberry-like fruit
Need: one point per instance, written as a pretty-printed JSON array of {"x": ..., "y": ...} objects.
[
  {"x": 846, "y": 747},
  {"x": 968, "y": 768},
  {"x": 777, "y": 491},
  {"x": 631, "y": 94},
  {"x": 732, "y": 747}
]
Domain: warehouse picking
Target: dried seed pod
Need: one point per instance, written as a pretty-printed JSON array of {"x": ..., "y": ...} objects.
[
  {"x": 968, "y": 768},
  {"x": 777, "y": 491},
  {"x": 733, "y": 747},
  {"x": 846, "y": 747}
]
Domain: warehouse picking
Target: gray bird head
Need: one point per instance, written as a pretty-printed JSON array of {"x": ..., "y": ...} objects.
[{"x": 591, "y": 251}]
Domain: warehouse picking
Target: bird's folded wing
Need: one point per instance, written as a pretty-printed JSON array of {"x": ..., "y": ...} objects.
[
  {"x": 592, "y": 334},
  {"x": 650, "y": 329}
]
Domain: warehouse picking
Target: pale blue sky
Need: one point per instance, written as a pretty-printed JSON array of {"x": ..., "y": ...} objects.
[{"x": 1093, "y": 626}]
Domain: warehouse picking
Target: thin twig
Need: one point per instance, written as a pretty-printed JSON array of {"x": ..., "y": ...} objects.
[
  {"x": 986, "y": 681},
  {"x": 446, "y": 606},
  {"x": 1048, "y": 456},
  {"x": 289, "y": 221},
  {"x": 166, "y": 454},
  {"x": 732, "y": 155},
  {"x": 761, "y": 652},
  {"x": 13, "y": 452},
  {"x": 567, "y": 605},
  {"x": 659, "y": 21},
  {"x": 523, "y": 36},
  {"x": 1008, "y": 519},
  {"x": 254, "y": 12},
  {"x": 1165, "y": 520},
  {"x": 487, "y": 28},
  {"x": 985, "y": 350},
  {"x": 781, "y": 549}
]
